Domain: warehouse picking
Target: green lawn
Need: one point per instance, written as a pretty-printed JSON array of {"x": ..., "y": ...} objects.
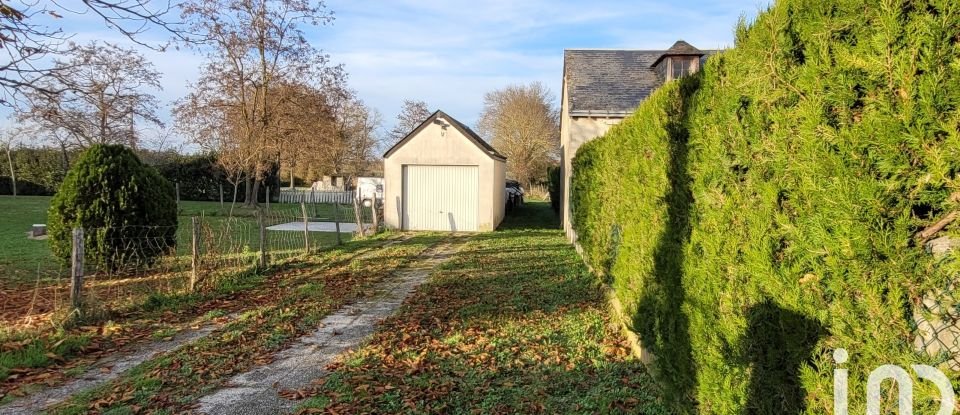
[
  {"x": 513, "y": 323},
  {"x": 23, "y": 260},
  {"x": 20, "y": 257}
]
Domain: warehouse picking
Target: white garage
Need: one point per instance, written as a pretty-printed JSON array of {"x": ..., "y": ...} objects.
[{"x": 443, "y": 177}]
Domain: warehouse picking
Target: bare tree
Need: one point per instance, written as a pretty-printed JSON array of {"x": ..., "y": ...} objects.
[
  {"x": 252, "y": 46},
  {"x": 8, "y": 138},
  {"x": 305, "y": 120},
  {"x": 523, "y": 122},
  {"x": 349, "y": 141},
  {"x": 326, "y": 128},
  {"x": 411, "y": 116},
  {"x": 361, "y": 132},
  {"x": 102, "y": 94},
  {"x": 28, "y": 36}
]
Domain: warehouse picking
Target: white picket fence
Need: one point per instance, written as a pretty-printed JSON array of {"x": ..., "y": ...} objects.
[{"x": 315, "y": 196}]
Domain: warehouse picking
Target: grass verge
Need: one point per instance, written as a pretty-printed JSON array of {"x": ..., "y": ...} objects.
[
  {"x": 173, "y": 381},
  {"x": 28, "y": 360}
]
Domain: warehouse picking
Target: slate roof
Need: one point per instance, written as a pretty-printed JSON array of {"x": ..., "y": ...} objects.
[
  {"x": 466, "y": 131},
  {"x": 614, "y": 82},
  {"x": 679, "y": 48}
]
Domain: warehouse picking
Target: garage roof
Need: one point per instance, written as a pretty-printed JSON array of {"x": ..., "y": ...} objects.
[{"x": 463, "y": 129}]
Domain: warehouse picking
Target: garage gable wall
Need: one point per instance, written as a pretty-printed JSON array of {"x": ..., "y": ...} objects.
[{"x": 435, "y": 145}]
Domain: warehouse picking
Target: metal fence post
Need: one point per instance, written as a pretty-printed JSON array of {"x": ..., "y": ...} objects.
[
  {"x": 263, "y": 239},
  {"x": 336, "y": 220},
  {"x": 306, "y": 228},
  {"x": 76, "y": 269},
  {"x": 195, "y": 253}
]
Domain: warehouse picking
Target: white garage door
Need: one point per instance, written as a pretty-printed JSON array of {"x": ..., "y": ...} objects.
[{"x": 440, "y": 198}]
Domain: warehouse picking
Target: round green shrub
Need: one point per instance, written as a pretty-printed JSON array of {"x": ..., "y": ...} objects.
[{"x": 128, "y": 212}]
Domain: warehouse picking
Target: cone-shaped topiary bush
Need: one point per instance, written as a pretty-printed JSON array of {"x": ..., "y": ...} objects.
[
  {"x": 127, "y": 210},
  {"x": 762, "y": 214}
]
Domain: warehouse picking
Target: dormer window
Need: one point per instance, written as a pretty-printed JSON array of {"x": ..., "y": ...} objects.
[
  {"x": 682, "y": 66},
  {"x": 680, "y": 60}
]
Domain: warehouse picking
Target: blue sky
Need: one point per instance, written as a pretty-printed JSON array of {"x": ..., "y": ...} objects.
[{"x": 449, "y": 53}]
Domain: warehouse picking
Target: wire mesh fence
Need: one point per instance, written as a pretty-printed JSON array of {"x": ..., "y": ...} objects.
[
  {"x": 121, "y": 267},
  {"x": 937, "y": 325}
]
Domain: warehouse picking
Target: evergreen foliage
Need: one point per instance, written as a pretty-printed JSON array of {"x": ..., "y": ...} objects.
[
  {"x": 127, "y": 210},
  {"x": 39, "y": 170},
  {"x": 553, "y": 175},
  {"x": 200, "y": 178},
  {"x": 761, "y": 214}
]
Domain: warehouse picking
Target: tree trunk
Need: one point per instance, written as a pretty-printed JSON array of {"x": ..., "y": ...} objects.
[
  {"x": 236, "y": 184},
  {"x": 255, "y": 194},
  {"x": 291, "y": 177},
  {"x": 250, "y": 198},
  {"x": 66, "y": 158},
  {"x": 13, "y": 174}
]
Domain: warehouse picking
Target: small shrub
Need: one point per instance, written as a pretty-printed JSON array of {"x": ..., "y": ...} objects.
[{"x": 127, "y": 211}]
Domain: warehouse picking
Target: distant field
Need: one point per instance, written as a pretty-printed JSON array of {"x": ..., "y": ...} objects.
[{"x": 23, "y": 260}]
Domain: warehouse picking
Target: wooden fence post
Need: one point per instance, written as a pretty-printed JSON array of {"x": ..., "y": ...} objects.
[
  {"x": 306, "y": 228},
  {"x": 336, "y": 219},
  {"x": 263, "y": 239},
  {"x": 358, "y": 214},
  {"x": 76, "y": 269},
  {"x": 373, "y": 211},
  {"x": 268, "y": 199},
  {"x": 195, "y": 253},
  {"x": 221, "y": 196}
]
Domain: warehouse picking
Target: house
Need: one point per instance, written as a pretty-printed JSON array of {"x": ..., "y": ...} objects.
[
  {"x": 443, "y": 177},
  {"x": 602, "y": 87}
]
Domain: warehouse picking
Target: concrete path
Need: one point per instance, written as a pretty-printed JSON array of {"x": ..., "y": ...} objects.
[
  {"x": 256, "y": 391},
  {"x": 105, "y": 370},
  {"x": 345, "y": 227}
]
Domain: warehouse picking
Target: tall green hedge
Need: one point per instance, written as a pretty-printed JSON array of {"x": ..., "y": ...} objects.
[
  {"x": 554, "y": 183},
  {"x": 127, "y": 211},
  {"x": 39, "y": 170},
  {"x": 760, "y": 215},
  {"x": 200, "y": 178}
]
